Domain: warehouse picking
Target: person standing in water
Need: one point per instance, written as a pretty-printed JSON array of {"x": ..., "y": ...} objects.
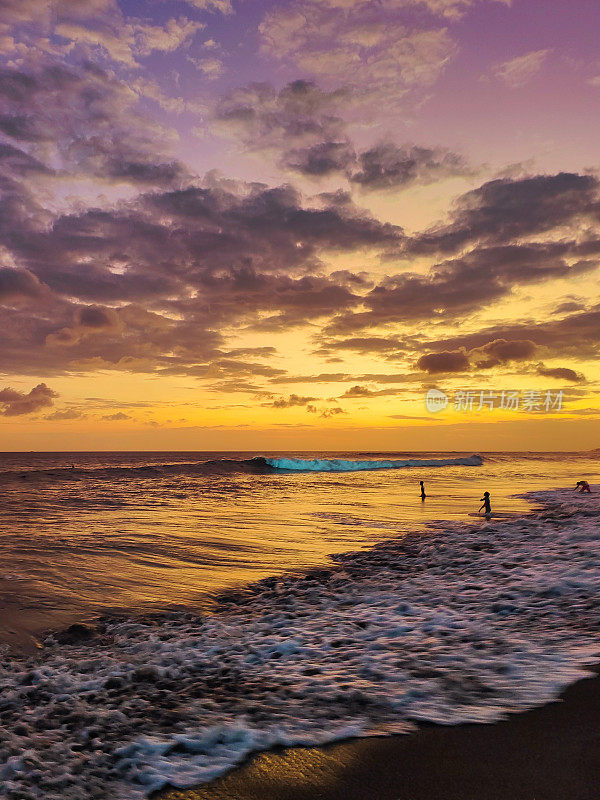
[
  {"x": 486, "y": 503},
  {"x": 423, "y": 495},
  {"x": 583, "y": 486}
]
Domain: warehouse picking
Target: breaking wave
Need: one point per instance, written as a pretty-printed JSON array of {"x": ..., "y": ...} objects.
[
  {"x": 224, "y": 466},
  {"x": 463, "y": 624},
  {"x": 353, "y": 465}
]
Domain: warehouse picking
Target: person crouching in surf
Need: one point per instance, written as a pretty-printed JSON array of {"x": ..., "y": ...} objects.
[
  {"x": 583, "y": 486},
  {"x": 486, "y": 503}
]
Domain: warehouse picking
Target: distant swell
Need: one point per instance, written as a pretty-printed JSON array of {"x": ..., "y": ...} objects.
[
  {"x": 259, "y": 465},
  {"x": 218, "y": 466},
  {"x": 346, "y": 465}
]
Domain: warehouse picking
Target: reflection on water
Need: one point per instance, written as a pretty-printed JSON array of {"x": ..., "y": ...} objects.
[{"x": 73, "y": 544}]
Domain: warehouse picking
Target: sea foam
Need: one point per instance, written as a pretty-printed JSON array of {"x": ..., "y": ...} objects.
[{"x": 460, "y": 624}]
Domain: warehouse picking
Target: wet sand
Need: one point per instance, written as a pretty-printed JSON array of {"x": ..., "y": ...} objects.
[{"x": 549, "y": 753}]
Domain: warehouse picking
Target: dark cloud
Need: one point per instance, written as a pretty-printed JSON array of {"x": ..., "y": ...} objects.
[
  {"x": 300, "y": 114},
  {"x": 66, "y": 414},
  {"x": 346, "y": 377},
  {"x": 467, "y": 283},
  {"x": 569, "y": 306},
  {"x": 333, "y": 411},
  {"x": 352, "y": 279},
  {"x": 384, "y": 166},
  {"x": 18, "y": 11},
  {"x": 84, "y": 120},
  {"x": 364, "y": 391},
  {"x": 501, "y": 351},
  {"x": 251, "y": 352},
  {"x": 388, "y": 166},
  {"x": 18, "y": 283},
  {"x": 505, "y": 209},
  {"x": 149, "y": 284},
  {"x": 292, "y": 400},
  {"x": 576, "y": 334},
  {"x": 323, "y": 377},
  {"x": 96, "y": 317},
  {"x": 303, "y": 126},
  {"x": 394, "y": 377},
  {"x": 270, "y": 226},
  {"x": 445, "y": 361},
  {"x": 16, "y": 403},
  {"x": 117, "y": 417},
  {"x": 363, "y": 344},
  {"x": 17, "y": 162},
  {"x": 295, "y": 299},
  {"x": 324, "y": 158},
  {"x": 368, "y": 46},
  {"x": 157, "y": 283},
  {"x": 228, "y": 371},
  {"x": 561, "y": 373},
  {"x": 585, "y": 412},
  {"x": 492, "y": 354}
]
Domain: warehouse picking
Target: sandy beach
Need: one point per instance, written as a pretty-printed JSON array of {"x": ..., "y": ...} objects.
[{"x": 548, "y": 753}]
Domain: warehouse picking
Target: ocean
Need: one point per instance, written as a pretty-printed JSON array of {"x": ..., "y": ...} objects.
[{"x": 238, "y": 601}]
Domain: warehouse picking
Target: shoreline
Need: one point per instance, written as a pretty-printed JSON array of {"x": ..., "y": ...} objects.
[{"x": 550, "y": 752}]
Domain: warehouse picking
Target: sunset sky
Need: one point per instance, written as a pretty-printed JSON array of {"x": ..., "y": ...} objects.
[{"x": 252, "y": 225}]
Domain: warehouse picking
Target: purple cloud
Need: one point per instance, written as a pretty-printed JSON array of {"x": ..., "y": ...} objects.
[
  {"x": 388, "y": 166},
  {"x": 505, "y": 209},
  {"x": 16, "y": 403},
  {"x": 561, "y": 374},
  {"x": 445, "y": 361}
]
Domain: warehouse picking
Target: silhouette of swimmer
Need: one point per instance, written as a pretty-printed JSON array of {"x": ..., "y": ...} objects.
[
  {"x": 486, "y": 503},
  {"x": 423, "y": 495},
  {"x": 583, "y": 486}
]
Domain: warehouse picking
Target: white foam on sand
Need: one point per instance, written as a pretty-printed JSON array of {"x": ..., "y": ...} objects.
[{"x": 458, "y": 624}]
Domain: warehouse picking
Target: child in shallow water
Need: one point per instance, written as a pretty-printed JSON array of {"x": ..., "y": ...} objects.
[
  {"x": 486, "y": 503},
  {"x": 583, "y": 486}
]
